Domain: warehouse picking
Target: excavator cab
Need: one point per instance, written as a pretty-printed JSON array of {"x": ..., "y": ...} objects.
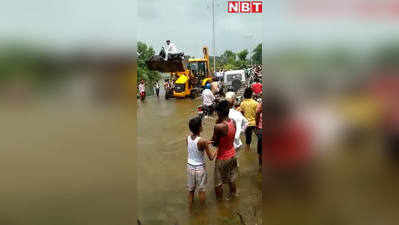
[{"x": 198, "y": 69}]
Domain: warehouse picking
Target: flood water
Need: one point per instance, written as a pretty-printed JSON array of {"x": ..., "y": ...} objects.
[{"x": 162, "y": 155}]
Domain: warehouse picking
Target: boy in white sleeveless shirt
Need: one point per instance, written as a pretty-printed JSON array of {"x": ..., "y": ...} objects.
[{"x": 196, "y": 171}]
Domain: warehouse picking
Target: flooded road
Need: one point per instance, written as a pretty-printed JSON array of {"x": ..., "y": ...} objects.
[
  {"x": 66, "y": 164},
  {"x": 162, "y": 154}
]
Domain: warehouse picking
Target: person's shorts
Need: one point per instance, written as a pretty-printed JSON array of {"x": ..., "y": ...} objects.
[
  {"x": 208, "y": 109},
  {"x": 197, "y": 177},
  {"x": 225, "y": 171}
]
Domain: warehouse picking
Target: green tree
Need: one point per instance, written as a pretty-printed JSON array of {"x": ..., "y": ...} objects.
[
  {"x": 257, "y": 54},
  {"x": 387, "y": 55},
  {"x": 228, "y": 57},
  {"x": 243, "y": 55},
  {"x": 144, "y": 53},
  {"x": 229, "y": 67},
  {"x": 234, "y": 61}
]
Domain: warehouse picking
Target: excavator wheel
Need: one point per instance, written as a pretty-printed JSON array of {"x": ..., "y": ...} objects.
[
  {"x": 192, "y": 95},
  {"x": 168, "y": 94}
]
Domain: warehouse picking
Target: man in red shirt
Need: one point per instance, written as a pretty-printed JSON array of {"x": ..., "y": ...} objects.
[
  {"x": 385, "y": 88},
  {"x": 226, "y": 169},
  {"x": 257, "y": 87},
  {"x": 286, "y": 153},
  {"x": 286, "y": 139}
]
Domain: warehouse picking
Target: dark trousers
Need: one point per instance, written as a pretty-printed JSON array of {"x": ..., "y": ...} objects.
[
  {"x": 248, "y": 134},
  {"x": 259, "y": 135},
  {"x": 157, "y": 91},
  {"x": 392, "y": 144}
]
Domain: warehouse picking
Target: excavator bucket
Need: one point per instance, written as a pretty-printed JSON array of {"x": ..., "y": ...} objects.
[{"x": 157, "y": 63}]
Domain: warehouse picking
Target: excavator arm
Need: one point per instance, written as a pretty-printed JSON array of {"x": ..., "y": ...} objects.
[{"x": 206, "y": 57}]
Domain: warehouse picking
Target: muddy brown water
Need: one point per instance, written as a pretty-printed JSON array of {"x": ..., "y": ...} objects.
[
  {"x": 351, "y": 184},
  {"x": 66, "y": 164},
  {"x": 162, "y": 154}
]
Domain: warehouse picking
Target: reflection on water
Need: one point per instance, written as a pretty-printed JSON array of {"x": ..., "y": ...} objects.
[{"x": 162, "y": 199}]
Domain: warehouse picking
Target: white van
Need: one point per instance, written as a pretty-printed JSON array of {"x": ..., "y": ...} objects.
[{"x": 234, "y": 79}]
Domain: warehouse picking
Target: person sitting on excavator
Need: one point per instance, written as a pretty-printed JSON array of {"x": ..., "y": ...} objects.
[{"x": 170, "y": 49}]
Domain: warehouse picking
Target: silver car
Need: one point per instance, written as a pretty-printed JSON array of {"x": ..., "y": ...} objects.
[{"x": 234, "y": 79}]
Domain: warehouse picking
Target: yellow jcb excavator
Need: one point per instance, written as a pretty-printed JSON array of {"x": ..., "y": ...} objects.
[{"x": 189, "y": 76}]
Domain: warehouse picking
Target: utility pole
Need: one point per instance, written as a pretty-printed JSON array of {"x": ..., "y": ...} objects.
[
  {"x": 250, "y": 38},
  {"x": 213, "y": 35}
]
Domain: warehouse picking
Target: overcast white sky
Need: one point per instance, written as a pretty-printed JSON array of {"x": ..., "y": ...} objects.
[
  {"x": 189, "y": 25},
  {"x": 338, "y": 22},
  {"x": 71, "y": 23},
  {"x": 118, "y": 24}
]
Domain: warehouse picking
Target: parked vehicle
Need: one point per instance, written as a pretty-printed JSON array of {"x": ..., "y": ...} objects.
[{"x": 233, "y": 79}]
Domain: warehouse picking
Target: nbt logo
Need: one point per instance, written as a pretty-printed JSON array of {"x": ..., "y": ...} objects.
[{"x": 244, "y": 7}]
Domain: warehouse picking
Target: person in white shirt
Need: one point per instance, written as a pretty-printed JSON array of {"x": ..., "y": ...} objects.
[
  {"x": 207, "y": 100},
  {"x": 240, "y": 120},
  {"x": 170, "y": 48},
  {"x": 157, "y": 88}
]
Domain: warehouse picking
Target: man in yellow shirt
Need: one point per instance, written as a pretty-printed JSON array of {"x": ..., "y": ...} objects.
[{"x": 248, "y": 108}]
